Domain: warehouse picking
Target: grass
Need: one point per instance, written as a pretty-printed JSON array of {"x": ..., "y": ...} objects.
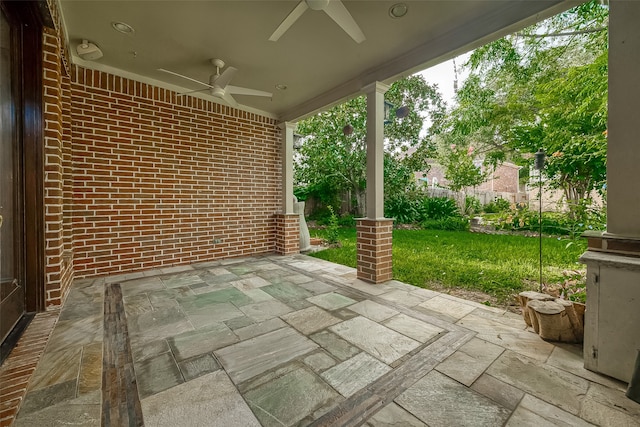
[{"x": 498, "y": 265}]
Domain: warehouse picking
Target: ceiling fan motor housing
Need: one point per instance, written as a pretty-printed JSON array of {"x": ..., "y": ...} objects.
[
  {"x": 217, "y": 92},
  {"x": 317, "y": 4}
]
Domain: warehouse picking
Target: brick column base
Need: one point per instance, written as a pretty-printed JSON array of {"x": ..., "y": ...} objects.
[
  {"x": 287, "y": 234},
  {"x": 374, "y": 249}
]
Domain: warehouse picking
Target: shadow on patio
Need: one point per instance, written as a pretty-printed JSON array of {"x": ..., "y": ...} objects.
[{"x": 282, "y": 341}]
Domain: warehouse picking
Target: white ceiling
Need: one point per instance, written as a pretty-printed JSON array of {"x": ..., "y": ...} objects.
[{"x": 317, "y": 61}]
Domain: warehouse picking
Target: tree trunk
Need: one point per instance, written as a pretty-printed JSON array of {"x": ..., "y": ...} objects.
[{"x": 361, "y": 202}]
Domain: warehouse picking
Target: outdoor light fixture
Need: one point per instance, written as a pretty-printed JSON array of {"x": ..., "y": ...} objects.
[
  {"x": 387, "y": 112},
  {"x": 88, "y": 51},
  {"x": 297, "y": 141},
  {"x": 538, "y": 164},
  {"x": 402, "y": 112},
  {"x": 347, "y": 130}
]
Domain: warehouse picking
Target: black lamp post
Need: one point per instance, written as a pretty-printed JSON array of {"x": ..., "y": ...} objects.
[{"x": 538, "y": 164}]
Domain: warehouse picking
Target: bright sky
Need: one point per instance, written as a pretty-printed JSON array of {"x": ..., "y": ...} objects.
[{"x": 443, "y": 75}]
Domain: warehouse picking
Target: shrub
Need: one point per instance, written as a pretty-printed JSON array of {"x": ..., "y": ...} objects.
[
  {"x": 522, "y": 218},
  {"x": 451, "y": 224},
  {"x": 332, "y": 227},
  {"x": 497, "y": 205},
  {"x": 347, "y": 220},
  {"x": 402, "y": 207},
  {"x": 438, "y": 208},
  {"x": 471, "y": 205}
]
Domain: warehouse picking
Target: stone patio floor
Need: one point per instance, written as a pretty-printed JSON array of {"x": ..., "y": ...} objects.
[{"x": 293, "y": 340}]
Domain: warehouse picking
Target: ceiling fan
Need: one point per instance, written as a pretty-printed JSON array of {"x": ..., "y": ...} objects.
[
  {"x": 334, "y": 8},
  {"x": 219, "y": 86}
]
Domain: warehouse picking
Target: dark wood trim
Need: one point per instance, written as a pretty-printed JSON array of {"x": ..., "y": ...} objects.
[
  {"x": 31, "y": 133},
  {"x": 12, "y": 339}
]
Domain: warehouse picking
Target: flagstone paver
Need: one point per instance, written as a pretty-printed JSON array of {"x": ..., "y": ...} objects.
[
  {"x": 412, "y": 327},
  {"x": 309, "y": 320},
  {"x": 550, "y": 384},
  {"x": 331, "y": 301},
  {"x": 335, "y": 345},
  {"x": 377, "y": 340},
  {"x": 156, "y": 324},
  {"x": 210, "y": 400},
  {"x": 440, "y": 401},
  {"x": 448, "y": 307},
  {"x": 156, "y": 374},
  {"x": 393, "y": 415},
  {"x": 266, "y": 310},
  {"x": 470, "y": 361},
  {"x": 353, "y": 374},
  {"x": 535, "y": 412},
  {"x": 516, "y": 339},
  {"x": 498, "y": 391},
  {"x": 319, "y": 361},
  {"x": 373, "y": 310},
  {"x": 198, "y": 366},
  {"x": 212, "y": 314},
  {"x": 259, "y": 328},
  {"x": 292, "y": 395},
  {"x": 257, "y": 355},
  {"x": 273, "y": 341},
  {"x": 201, "y": 341}
]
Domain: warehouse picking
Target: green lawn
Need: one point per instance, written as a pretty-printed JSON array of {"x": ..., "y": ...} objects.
[{"x": 499, "y": 265}]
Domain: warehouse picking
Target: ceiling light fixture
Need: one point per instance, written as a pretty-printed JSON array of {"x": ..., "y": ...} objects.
[
  {"x": 398, "y": 10},
  {"x": 123, "y": 28}
]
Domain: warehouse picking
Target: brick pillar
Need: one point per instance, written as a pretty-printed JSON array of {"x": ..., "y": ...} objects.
[
  {"x": 287, "y": 234},
  {"x": 374, "y": 249}
]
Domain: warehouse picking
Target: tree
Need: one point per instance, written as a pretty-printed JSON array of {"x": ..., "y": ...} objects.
[
  {"x": 545, "y": 87},
  {"x": 330, "y": 162}
]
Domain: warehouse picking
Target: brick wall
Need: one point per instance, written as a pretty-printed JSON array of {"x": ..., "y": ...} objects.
[
  {"x": 374, "y": 249},
  {"x": 505, "y": 179},
  {"x": 59, "y": 267},
  {"x": 287, "y": 234},
  {"x": 162, "y": 180}
]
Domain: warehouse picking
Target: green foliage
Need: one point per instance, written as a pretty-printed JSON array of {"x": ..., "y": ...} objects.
[
  {"x": 332, "y": 227},
  {"x": 402, "y": 207},
  {"x": 521, "y": 218},
  {"x": 452, "y": 223},
  {"x": 472, "y": 206},
  {"x": 528, "y": 91},
  {"x": 346, "y": 220},
  {"x": 329, "y": 162},
  {"x": 439, "y": 208},
  {"x": 497, "y": 205},
  {"x": 500, "y": 265}
]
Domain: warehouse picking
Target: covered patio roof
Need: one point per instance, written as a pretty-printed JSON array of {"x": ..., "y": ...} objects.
[{"x": 316, "y": 60}]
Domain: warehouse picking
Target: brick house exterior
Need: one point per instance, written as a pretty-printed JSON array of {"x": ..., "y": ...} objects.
[
  {"x": 504, "y": 179},
  {"x": 138, "y": 178}
]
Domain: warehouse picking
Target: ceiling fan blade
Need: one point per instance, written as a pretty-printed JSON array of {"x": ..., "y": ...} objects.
[
  {"x": 229, "y": 99},
  {"x": 245, "y": 91},
  {"x": 184, "y": 77},
  {"x": 226, "y": 76},
  {"x": 191, "y": 91},
  {"x": 289, "y": 20},
  {"x": 336, "y": 11}
]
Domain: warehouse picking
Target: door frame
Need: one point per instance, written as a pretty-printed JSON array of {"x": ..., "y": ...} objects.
[{"x": 27, "y": 16}]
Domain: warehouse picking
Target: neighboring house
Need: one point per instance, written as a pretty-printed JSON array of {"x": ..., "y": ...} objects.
[{"x": 502, "y": 182}]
